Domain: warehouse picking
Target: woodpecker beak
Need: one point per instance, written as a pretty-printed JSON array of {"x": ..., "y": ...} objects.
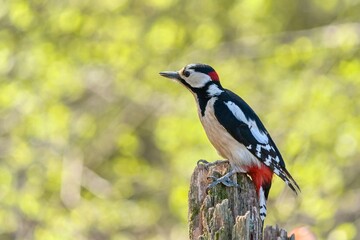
[{"x": 170, "y": 74}]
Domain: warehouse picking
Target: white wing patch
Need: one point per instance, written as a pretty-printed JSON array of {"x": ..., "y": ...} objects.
[
  {"x": 259, "y": 135},
  {"x": 226, "y": 145}
]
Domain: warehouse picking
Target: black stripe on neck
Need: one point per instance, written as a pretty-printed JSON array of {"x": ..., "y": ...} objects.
[
  {"x": 202, "y": 104},
  {"x": 203, "y": 97}
]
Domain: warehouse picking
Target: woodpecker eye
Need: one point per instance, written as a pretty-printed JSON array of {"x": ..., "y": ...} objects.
[{"x": 186, "y": 73}]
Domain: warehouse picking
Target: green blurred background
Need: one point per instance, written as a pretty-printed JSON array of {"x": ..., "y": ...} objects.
[{"x": 94, "y": 144}]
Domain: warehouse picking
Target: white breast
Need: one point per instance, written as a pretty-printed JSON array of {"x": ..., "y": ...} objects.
[{"x": 228, "y": 147}]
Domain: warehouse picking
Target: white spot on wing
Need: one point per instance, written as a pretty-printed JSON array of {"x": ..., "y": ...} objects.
[
  {"x": 259, "y": 135},
  {"x": 276, "y": 171},
  {"x": 268, "y": 161}
]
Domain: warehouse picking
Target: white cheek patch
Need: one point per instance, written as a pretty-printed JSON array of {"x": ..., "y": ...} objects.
[
  {"x": 259, "y": 135},
  {"x": 197, "y": 80}
]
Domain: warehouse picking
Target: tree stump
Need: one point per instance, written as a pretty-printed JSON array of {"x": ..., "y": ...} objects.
[{"x": 228, "y": 213}]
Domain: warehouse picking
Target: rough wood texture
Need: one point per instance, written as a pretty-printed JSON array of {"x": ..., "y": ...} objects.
[
  {"x": 277, "y": 233},
  {"x": 227, "y": 213}
]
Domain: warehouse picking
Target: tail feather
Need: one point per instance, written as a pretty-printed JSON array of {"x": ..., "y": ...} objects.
[
  {"x": 278, "y": 167},
  {"x": 287, "y": 178},
  {"x": 262, "y": 178},
  {"x": 293, "y": 182}
]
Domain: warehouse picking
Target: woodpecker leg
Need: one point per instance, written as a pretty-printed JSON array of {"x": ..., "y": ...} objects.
[
  {"x": 209, "y": 164},
  {"x": 226, "y": 180}
]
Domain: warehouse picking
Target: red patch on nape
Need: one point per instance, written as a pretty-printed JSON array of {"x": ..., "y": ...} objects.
[
  {"x": 260, "y": 176},
  {"x": 213, "y": 76}
]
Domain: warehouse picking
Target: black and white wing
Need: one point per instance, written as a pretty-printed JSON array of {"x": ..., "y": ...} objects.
[{"x": 244, "y": 125}]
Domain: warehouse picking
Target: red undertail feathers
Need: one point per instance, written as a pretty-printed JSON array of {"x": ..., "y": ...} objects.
[{"x": 261, "y": 177}]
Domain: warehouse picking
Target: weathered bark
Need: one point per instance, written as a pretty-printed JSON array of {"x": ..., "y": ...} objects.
[
  {"x": 277, "y": 233},
  {"x": 225, "y": 212}
]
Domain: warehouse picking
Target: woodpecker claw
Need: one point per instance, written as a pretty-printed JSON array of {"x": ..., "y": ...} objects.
[
  {"x": 202, "y": 161},
  {"x": 226, "y": 180}
]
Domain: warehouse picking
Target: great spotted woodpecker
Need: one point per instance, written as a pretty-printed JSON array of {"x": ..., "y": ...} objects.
[{"x": 234, "y": 130}]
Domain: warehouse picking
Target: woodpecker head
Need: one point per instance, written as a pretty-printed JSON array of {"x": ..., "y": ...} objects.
[{"x": 196, "y": 77}]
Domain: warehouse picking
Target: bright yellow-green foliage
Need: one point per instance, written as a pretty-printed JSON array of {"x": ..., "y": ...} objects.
[{"x": 94, "y": 144}]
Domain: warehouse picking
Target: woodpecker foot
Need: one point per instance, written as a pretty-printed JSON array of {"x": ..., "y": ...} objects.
[
  {"x": 226, "y": 180},
  {"x": 209, "y": 164}
]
